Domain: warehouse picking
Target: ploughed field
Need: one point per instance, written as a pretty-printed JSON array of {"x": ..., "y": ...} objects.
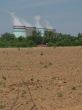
[{"x": 41, "y": 78}]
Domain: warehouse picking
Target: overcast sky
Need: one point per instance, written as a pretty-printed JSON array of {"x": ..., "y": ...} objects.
[{"x": 64, "y": 15}]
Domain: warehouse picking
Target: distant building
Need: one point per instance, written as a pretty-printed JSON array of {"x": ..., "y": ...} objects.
[
  {"x": 23, "y": 31},
  {"x": 19, "y": 31},
  {"x": 27, "y": 31},
  {"x": 30, "y": 30}
]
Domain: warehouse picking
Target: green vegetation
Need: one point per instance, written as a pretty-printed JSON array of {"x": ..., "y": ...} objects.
[
  {"x": 49, "y": 39},
  {"x": 74, "y": 88},
  {"x": 60, "y": 94},
  {"x": 50, "y": 63},
  {"x": 2, "y": 107},
  {"x": 45, "y": 66},
  {"x": 41, "y": 53}
]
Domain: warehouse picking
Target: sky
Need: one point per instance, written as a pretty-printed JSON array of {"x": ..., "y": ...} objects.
[{"x": 64, "y": 15}]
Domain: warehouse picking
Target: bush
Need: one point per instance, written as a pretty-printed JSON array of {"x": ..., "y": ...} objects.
[
  {"x": 50, "y": 44},
  {"x": 49, "y": 38}
]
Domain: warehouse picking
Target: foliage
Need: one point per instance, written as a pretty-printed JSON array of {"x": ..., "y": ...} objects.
[{"x": 49, "y": 39}]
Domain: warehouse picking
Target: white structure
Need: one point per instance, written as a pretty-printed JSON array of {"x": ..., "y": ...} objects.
[{"x": 23, "y": 28}]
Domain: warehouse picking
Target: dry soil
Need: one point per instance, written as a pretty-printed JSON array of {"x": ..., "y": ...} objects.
[{"x": 41, "y": 78}]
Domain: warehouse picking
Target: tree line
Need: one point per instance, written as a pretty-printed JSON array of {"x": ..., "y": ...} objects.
[{"x": 49, "y": 39}]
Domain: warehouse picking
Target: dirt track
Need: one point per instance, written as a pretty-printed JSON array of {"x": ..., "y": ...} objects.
[{"x": 41, "y": 78}]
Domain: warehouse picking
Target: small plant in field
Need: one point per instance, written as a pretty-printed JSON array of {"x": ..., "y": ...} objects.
[
  {"x": 41, "y": 54},
  {"x": 2, "y": 83},
  {"x": 32, "y": 79},
  {"x": 50, "y": 63},
  {"x": 64, "y": 82},
  {"x": 54, "y": 78},
  {"x": 60, "y": 94},
  {"x": 18, "y": 49},
  {"x": 73, "y": 88},
  {"x": 45, "y": 66},
  {"x": 2, "y": 106},
  {"x": 4, "y": 78}
]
